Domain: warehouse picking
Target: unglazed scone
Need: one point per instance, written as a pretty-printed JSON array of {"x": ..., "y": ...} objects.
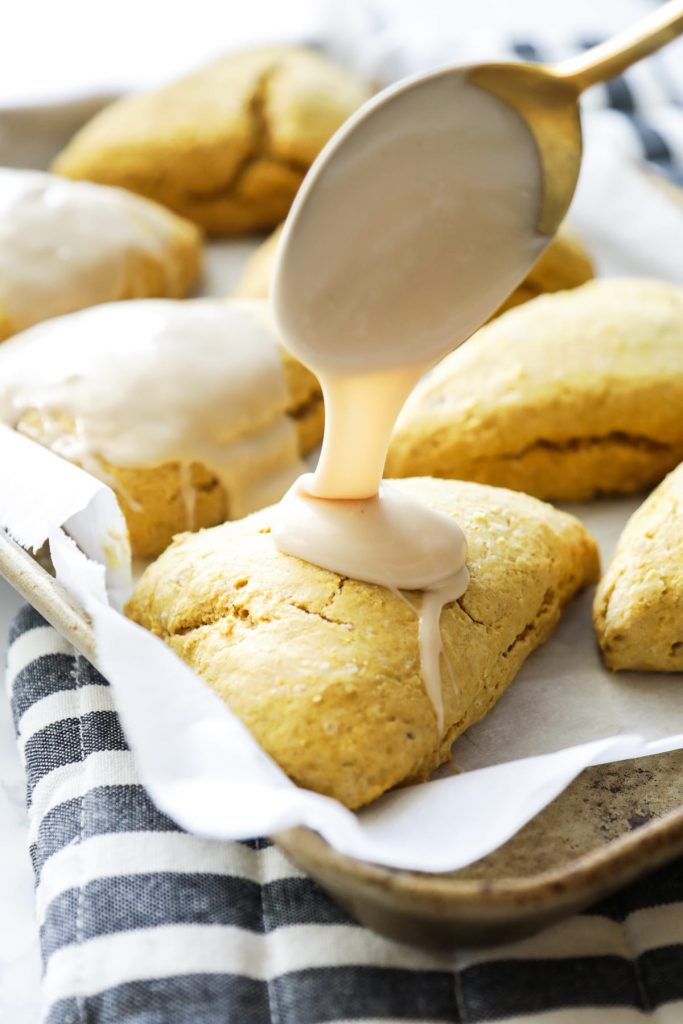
[
  {"x": 325, "y": 671},
  {"x": 255, "y": 280},
  {"x": 569, "y": 396},
  {"x": 228, "y": 146},
  {"x": 67, "y": 245},
  {"x": 564, "y": 264},
  {"x": 190, "y": 410},
  {"x": 638, "y": 609}
]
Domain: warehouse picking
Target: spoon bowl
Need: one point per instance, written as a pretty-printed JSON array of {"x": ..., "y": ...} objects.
[
  {"x": 417, "y": 220},
  {"x": 446, "y": 187}
]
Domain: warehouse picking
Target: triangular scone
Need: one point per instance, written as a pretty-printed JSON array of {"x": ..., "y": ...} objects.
[
  {"x": 191, "y": 411},
  {"x": 638, "y": 609},
  {"x": 325, "y": 671},
  {"x": 227, "y": 146},
  {"x": 67, "y": 245},
  {"x": 568, "y": 396}
]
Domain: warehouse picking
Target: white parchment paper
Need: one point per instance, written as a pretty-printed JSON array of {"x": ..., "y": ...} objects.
[
  {"x": 203, "y": 768},
  {"x": 563, "y": 712}
]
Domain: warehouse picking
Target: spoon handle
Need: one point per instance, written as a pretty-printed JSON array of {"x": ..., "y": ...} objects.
[{"x": 615, "y": 55}]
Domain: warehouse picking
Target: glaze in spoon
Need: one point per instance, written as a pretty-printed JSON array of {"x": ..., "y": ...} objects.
[{"x": 418, "y": 218}]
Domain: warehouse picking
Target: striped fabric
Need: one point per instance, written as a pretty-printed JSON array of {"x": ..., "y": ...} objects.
[{"x": 141, "y": 923}]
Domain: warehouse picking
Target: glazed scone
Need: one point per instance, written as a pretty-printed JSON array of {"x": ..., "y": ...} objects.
[
  {"x": 569, "y": 396},
  {"x": 228, "y": 146},
  {"x": 325, "y": 671},
  {"x": 638, "y": 609},
  {"x": 564, "y": 264},
  {"x": 190, "y": 410},
  {"x": 67, "y": 245}
]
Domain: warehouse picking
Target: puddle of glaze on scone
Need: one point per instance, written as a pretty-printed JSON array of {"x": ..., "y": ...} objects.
[
  {"x": 638, "y": 609},
  {"x": 187, "y": 409},
  {"x": 234, "y": 140},
  {"x": 67, "y": 245},
  {"x": 569, "y": 396},
  {"x": 325, "y": 671}
]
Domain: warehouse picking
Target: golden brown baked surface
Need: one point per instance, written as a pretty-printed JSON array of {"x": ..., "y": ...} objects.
[
  {"x": 325, "y": 670},
  {"x": 227, "y": 146},
  {"x": 564, "y": 264},
  {"x": 254, "y": 282},
  {"x": 5, "y": 324},
  {"x": 638, "y": 609},
  {"x": 569, "y": 396}
]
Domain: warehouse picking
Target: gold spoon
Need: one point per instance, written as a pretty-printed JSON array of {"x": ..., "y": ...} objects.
[
  {"x": 546, "y": 97},
  {"x": 416, "y": 196}
]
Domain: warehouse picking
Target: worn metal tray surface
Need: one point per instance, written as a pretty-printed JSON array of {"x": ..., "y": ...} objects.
[{"x": 613, "y": 824}]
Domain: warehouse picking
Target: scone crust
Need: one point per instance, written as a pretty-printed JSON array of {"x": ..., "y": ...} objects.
[
  {"x": 174, "y": 274},
  {"x": 226, "y": 147},
  {"x": 569, "y": 396},
  {"x": 254, "y": 282},
  {"x": 638, "y": 609},
  {"x": 325, "y": 671},
  {"x": 168, "y": 270},
  {"x": 564, "y": 264}
]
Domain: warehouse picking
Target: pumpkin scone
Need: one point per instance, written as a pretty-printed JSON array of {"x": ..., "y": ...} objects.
[
  {"x": 190, "y": 410},
  {"x": 325, "y": 671},
  {"x": 564, "y": 264},
  {"x": 66, "y": 245},
  {"x": 638, "y": 609},
  {"x": 227, "y": 146},
  {"x": 255, "y": 280},
  {"x": 570, "y": 396}
]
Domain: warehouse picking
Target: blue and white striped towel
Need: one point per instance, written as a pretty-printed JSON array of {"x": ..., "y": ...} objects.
[{"x": 141, "y": 923}]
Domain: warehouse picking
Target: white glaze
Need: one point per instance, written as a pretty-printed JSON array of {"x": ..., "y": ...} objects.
[
  {"x": 65, "y": 244},
  {"x": 390, "y": 539},
  {"x": 156, "y": 381},
  {"x": 413, "y": 225}
]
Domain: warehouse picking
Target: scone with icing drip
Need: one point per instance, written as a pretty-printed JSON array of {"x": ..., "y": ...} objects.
[
  {"x": 638, "y": 610},
  {"x": 228, "y": 146},
  {"x": 189, "y": 410},
  {"x": 564, "y": 264},
  {"x": 569, "y": 396},
  {"x": 325, "y": 670},
  {"x": 67, "y": 245}
]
